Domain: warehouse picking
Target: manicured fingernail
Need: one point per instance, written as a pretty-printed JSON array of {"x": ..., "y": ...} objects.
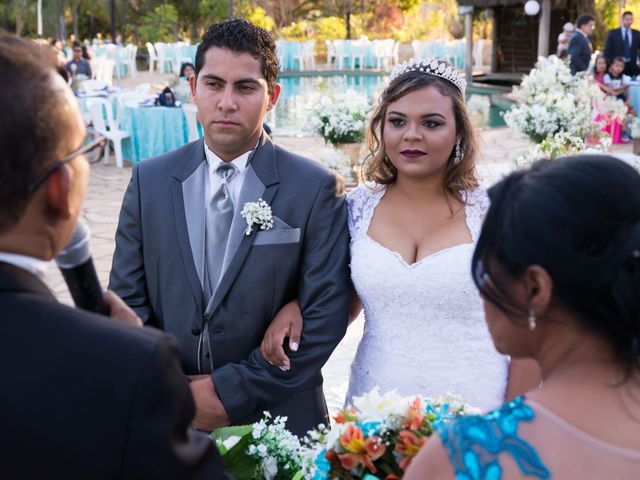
[
  {"x": 285, "y": 368},
  {"x": 294, "y": 346}
]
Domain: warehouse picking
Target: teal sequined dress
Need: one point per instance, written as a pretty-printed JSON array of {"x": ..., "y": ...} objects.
[{"x": 474, "y": 443}]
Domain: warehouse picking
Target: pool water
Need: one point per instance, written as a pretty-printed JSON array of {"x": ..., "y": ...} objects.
[{"x": 301, "y": 93}]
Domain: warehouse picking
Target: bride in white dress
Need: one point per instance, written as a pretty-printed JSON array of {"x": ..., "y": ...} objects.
[{"x": 413, "y": 226}]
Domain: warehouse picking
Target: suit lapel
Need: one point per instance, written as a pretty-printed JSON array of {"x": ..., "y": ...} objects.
[
  {"x": 261, "y": 182},
  {"x": 188, "y": 201}
]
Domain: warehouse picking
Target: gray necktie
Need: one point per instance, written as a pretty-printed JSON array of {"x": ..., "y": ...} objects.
[
  {"x": 219, "y": 216},
  {"x": 218, "y": 223}
]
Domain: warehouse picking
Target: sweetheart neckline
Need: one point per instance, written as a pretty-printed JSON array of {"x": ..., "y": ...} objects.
[{"x": 418, "y": 262}]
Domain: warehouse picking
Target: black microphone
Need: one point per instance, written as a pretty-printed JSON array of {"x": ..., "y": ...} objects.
[{"x": 79, "y": 273}]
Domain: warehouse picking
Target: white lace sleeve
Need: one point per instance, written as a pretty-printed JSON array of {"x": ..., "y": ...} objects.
[
  {"x": 477, "y": 205},
  {"x": 361, "y": 202}
]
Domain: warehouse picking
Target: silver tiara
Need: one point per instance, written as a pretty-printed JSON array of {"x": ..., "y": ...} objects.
[{"x": 432, "y": 66}]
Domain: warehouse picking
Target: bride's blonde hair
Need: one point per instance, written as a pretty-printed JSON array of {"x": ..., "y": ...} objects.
[{"x": 376, "y": 166}]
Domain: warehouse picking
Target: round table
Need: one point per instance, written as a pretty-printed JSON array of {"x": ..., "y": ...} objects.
[{"x": 154, "y": 131}]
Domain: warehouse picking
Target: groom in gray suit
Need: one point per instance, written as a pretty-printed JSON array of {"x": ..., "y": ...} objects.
[{"x": 188, "y": 262}]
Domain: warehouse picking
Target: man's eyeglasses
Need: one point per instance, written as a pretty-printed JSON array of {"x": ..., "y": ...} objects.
[{"x": 92, "y": 151}]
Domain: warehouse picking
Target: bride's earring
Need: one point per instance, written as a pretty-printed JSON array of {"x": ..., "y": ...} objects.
[
  {"x": 531, "y": 318},
  {"x": 458, "y": 156}
]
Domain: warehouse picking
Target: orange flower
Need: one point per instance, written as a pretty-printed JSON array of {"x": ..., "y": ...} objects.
[
  {"x": 409, "y": 446},
  {"x": 415, "y": 416},
  {"x": 352, "y": 440},
  {"x": 343, "y": 416},
  {"x": 360, "y": 450}
]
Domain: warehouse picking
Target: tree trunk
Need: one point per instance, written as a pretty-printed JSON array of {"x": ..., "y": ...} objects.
[
  {"x": 21, "y": 6},
  {"x": 74, "y": 12},
  {"x": 348, "y": 19}
]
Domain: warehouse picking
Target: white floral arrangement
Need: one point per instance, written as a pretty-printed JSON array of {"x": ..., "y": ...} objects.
[
  {"x": 257, "y": 214},
  {"x": 551, "y": 101},
  {"x": 264, "y": 450},
  {"x": 561, "y": 144},
  {"x": 613, "y": 108},
  {"x": 337, "y": 162},
  {"x": 342, "y": 118},
  {"x": 479, "y": 107}
]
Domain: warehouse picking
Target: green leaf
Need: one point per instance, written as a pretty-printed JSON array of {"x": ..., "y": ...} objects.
[{"x": 236, "y": 460}]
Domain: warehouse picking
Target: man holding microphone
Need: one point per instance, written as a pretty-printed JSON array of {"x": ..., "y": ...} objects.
[{"x": 83, "y": 396}]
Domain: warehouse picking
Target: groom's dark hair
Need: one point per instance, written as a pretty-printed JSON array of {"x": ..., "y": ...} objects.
[{"x": 241, "y": 36}]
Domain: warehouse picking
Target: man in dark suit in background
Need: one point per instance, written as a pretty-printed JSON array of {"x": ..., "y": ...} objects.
[
  {"x": 580, "y": 45},
  {"x": 624, "y": 42},
  {"x": 83, "y": 396},
  {"x": 187, "y": 261}
]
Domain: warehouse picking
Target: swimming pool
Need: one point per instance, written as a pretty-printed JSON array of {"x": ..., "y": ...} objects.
[{"x": 301, "y": 93}]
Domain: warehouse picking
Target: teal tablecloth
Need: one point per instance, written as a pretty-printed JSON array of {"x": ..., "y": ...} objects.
[
  {"x": 180, "y": 54},
  {"x": 154, "y": 131},
  {"x": 634, "y": 93}
]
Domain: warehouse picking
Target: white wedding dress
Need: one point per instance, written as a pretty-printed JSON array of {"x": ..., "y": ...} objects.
[{"x": 424, "y": 330}]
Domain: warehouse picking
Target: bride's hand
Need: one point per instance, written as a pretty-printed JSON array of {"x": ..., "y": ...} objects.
[{"x": 287, "y": 323}]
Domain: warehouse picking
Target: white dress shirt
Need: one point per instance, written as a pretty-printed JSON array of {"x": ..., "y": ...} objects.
[
  {"x": 34, "y": 265},
  {"x": 213, "y": 180}
]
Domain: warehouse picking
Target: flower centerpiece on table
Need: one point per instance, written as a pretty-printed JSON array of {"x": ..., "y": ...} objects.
[
  {"x": 379, "y": 435},
  {"x": 553, "y": 101},
  {"x": 341, "y": 120}
]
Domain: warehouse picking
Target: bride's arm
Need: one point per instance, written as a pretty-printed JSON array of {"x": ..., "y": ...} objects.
[
  {"x": 288, "y": 323},
  {"x": 524, "y": 375}
]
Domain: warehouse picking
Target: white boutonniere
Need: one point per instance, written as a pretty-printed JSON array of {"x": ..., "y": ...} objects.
[{"x": 257, "y": 214}]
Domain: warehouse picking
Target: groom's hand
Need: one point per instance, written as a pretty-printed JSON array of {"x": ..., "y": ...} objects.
[
  {"x": 287, "y": 323},
  {"x": 210, "y": 413}
]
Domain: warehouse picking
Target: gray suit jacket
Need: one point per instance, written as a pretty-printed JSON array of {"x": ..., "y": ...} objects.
[{"x": 158, "y": 270}]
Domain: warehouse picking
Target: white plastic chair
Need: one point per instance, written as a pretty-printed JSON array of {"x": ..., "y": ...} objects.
[
  {"x": 191, "y": 114},
  {"x": 298, "y": 54},
  {"x": 129, "y": 59},
  {"x": 308, "y": 51},
  {"x": 98, "y": 108},
  {"x": 331, "y": 52},
  {"x": 395, "y": 52},
  {"x": 153, "y": 56},
  {"x": 104, "y": 69},
  {"x": 358, "y": 50},
  {"x": 161, "y": 49}
]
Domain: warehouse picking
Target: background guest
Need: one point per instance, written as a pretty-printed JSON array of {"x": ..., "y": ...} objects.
[
  {"x": 563, "y": 40},
  {"x": 624, "y": 42},
  {"x": 580, "y": 45},
  {"x": 78, "y": 65}
]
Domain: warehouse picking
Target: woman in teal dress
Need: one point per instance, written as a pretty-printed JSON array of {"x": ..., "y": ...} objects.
[{"x": 558, "y": 267}]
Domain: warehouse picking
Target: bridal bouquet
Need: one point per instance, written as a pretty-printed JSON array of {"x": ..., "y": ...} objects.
[
  {"x": 554, "y": 101},
  {"x": 264, "y": 450},
  {"x": 376, "y": 437},
  {"x": 341, "y": 119},
  {"x": 379, "y": 434}
]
